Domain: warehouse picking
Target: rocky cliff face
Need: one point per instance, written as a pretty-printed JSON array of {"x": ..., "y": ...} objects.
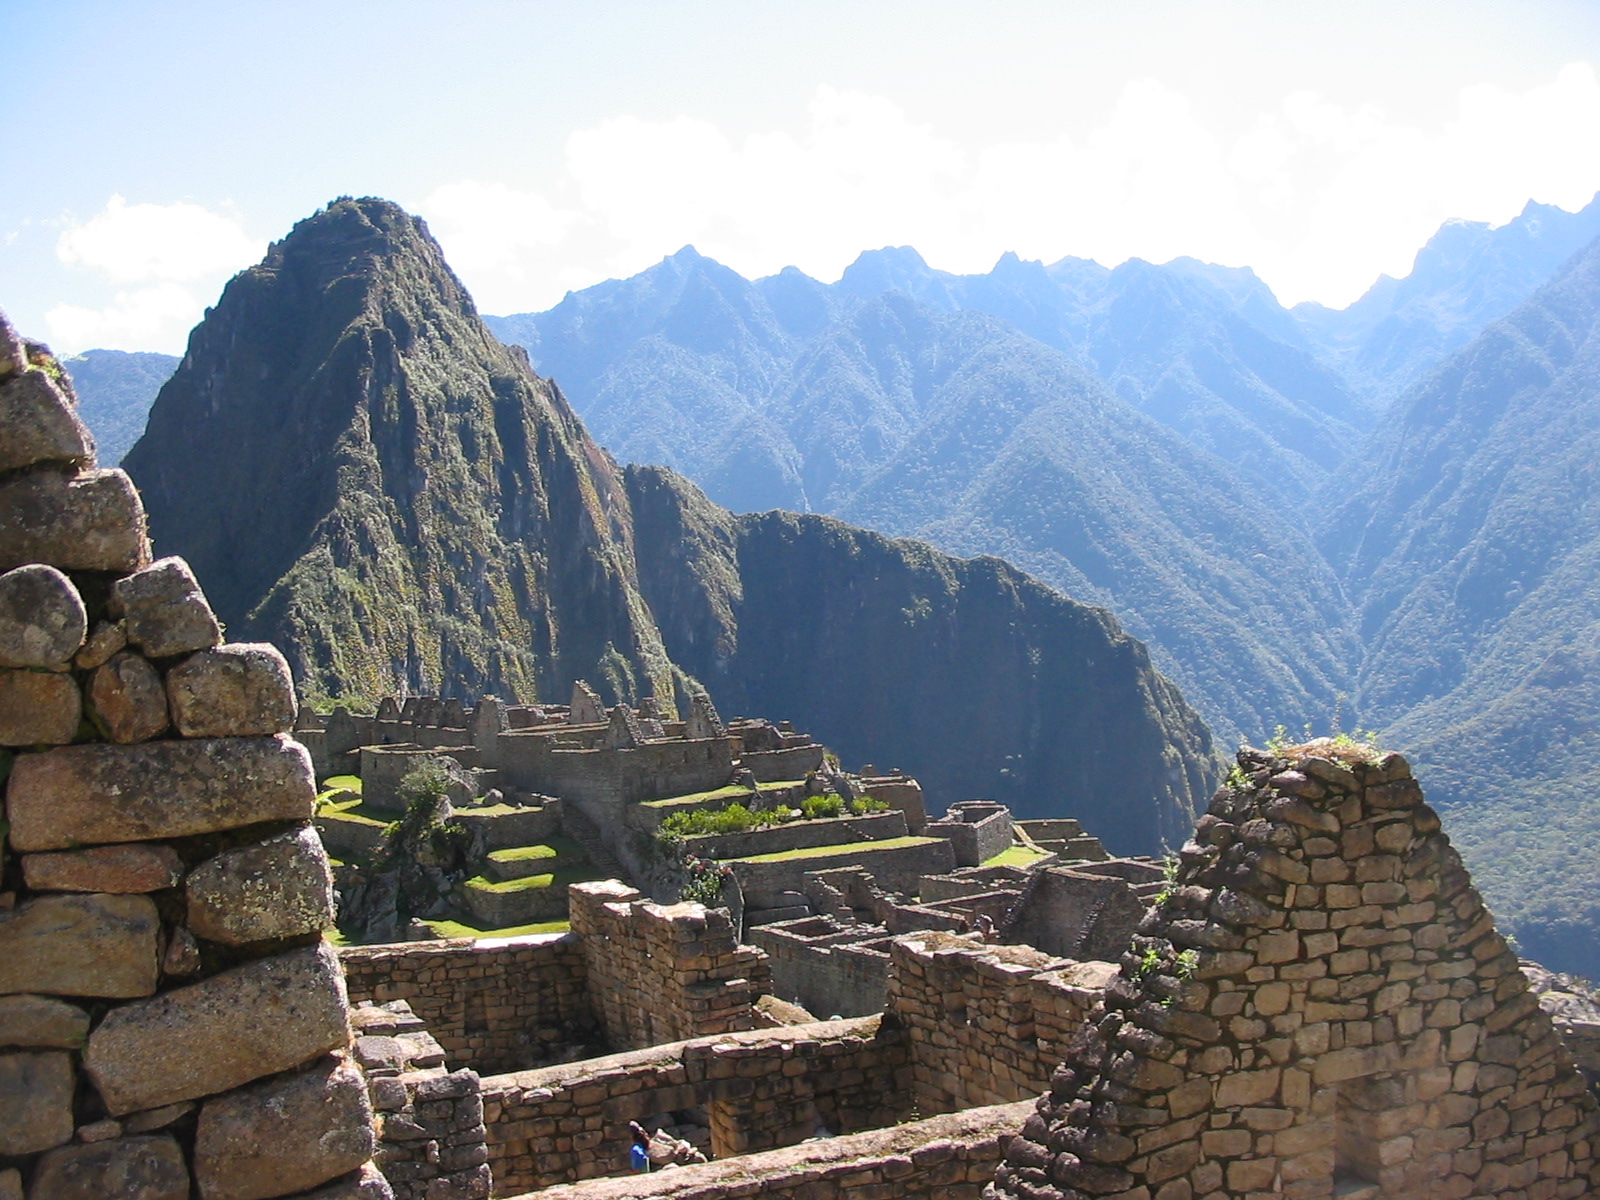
[
  {"x": 981, "y": 680},
  {"x": 370, "y": 480},
  {"x": 376, "y": 484}
]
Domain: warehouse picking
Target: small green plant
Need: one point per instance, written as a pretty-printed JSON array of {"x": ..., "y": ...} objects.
[
  {"x": 864, "y": 805},
  {"x": 1149, "y": 963},
  {"x": 1237, "y": 779},
  {"x": 735, "y": 818},
  {"x": 829, "y": 804},
  {"x": 1188, "y": 962}
]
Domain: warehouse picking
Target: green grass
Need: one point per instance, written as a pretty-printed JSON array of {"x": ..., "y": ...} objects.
[
  {"x": 455, "y": 929},
  {"x": 732, "y": 792},
  {"x": 1016, "y": 856},
  {"x": 490, "y": 810},
  {"x": 844, "y": 848},
  {"x": 523, "y": 854},
  {"x": 352, "y": 809},
  {"x": 349, "y": 783}
]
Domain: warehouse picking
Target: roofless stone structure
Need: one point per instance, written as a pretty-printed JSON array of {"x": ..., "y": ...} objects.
[{"x": 1320, "y": 1007}]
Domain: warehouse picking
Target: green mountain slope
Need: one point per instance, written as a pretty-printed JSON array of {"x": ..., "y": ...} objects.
[
  {"x": 361, "y": 473},
  {"x": 1471, "y": 541},
  {"x": 989, "y": 682},
  {"x": 115, "y": 390}
]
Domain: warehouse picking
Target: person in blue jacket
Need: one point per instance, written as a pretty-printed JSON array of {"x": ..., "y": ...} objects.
[{"x": 639, "y": 1152}]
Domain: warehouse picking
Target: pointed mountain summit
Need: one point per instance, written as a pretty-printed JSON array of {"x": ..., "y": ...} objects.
[
  {"x": 377, "y": 484},
  {"x": 366, "y": 477}
]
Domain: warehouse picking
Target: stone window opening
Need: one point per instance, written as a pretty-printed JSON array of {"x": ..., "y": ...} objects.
[{"x": 1359, "y": 1104}]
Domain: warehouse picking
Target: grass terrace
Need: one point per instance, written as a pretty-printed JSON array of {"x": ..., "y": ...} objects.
[{"x": 835, "y": 850}]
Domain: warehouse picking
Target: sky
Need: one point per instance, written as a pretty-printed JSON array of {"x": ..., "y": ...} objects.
[{"x": 158, "y": 147}]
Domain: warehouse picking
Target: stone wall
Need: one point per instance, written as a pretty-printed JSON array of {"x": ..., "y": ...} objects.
[
  {"x": 948, "y": 1157},
  {"x": 170, "y": 1016},
  {"x": 825, "y": 969},
  {"x": 977, "y": 830},
  {"x": 897, "y": 868},
  {"x": 761, "y": 1089},
  {"x": 987, "y": 1024},
  {"x": 1321, "y": 1006},
  {"x": 495, "y": 1005},
  {"x": 663, "y": 973}
]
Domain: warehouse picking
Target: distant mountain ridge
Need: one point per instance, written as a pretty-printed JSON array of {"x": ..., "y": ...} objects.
[
  {"x": 115, "y": 390},
  {"x": 1467, "y": 275},
  {"x": 363, "y": 474},
  {"x": 1470, "y": 540}
]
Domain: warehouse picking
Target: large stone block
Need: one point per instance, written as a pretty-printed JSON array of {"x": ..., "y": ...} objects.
[
  {"x": 42, "y": 1021},
  {"x": 164, "y": 610},
  {"x": 128, "y": 699},
  {"x": 129, "y": 1168},
  {"x": 238, "y": 690},
  {"x": 80, "y": 946},
  {"x": 277, "y": 888},
  {"x": 97, "y": 793},
  {"x": 39, "y": 424},
  {"x": 124, "y": 870},
  {"x": 367, "y": 1183},
  {"x": 237, "y": 1026},
  {"x": 38, "y": 708},
  {"x": 322, "y": 1113},
  {"x": 35, "y": 1101},
  {"x": 88, "y": 522},
  {"x": 42, "y": 618}
]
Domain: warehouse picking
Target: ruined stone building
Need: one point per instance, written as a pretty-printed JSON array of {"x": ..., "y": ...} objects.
[{"x": 1314, "y": 1003}]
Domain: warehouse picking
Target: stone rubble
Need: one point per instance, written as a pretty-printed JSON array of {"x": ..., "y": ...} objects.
[{"x": 172, "y": 1022}]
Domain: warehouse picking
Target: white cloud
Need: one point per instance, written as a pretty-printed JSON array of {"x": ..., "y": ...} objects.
[
  {"x": 1319, "y": 198},
  {"x": 148, "y": 318},
  {"x": 495, "y": 234},
  {"x": 133, "y": 243},
  {"x": 181, "y": 253}
]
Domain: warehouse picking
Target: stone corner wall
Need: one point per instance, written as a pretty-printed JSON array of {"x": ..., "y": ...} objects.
[
  {"x": 664, "y": 973},
  {"x": 170, "y": 1016},
  {"x": 986, "y": 1023},
  {"x": 1321, "y": 1006},
  {"x": 494, "y": 1005}
]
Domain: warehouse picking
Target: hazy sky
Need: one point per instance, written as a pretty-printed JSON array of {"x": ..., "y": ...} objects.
[{"x": 155, "y": 148}]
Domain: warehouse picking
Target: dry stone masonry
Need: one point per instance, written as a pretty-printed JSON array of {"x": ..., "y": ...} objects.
[
  {"x": 171, "y": 1021},
  {"x": 1320, "y": 1006}
]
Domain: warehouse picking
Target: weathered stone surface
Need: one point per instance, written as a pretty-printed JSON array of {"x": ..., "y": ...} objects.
[
  {"x": 128, "y": 869},
  {"x": 322, "y": 1112},
  {"x": 156, "y": 1118},
  {"x": 105, "y": 639},
  {"x": 183, "y": 954},
  {"x": 13, "y": 350},
  {"x": 42, "y": 618},
  {"x": 99, "y": 793},
  {"x": 38, "y": 708},
  {"x": 80, "y": 946},
  {"x": 242, "y": 1024},
  {"x": 127, "y": 698},
  {"x": 238, "y": 690},
  {"x": 367, "y": 1183},
  {"x": 42, "y": 1021},
  {"x": 89, "y": 522},
  {"x": 129, "y": 1168},
  {"x": 276, "y": 888},
  {"x": 35, "y": 1101},
  {"x": 38, "y": 424},
  {"x": 11, "y": 1184},
  {"x": 164, "y": 609}
]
